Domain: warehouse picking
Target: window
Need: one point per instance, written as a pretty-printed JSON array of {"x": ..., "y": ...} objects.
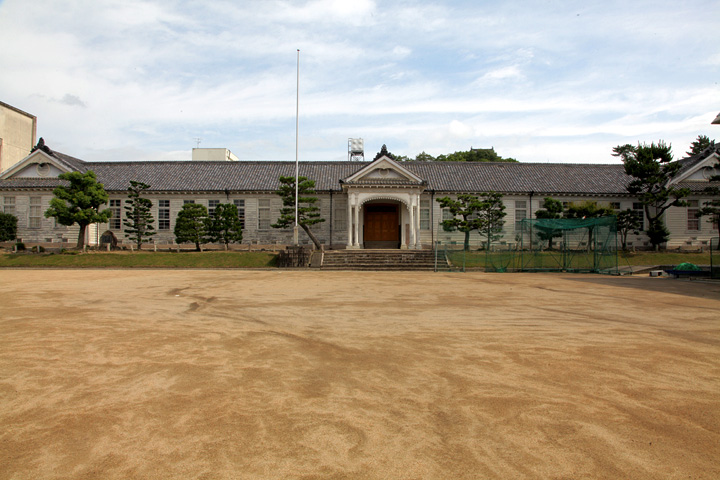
[
  {"x": 520, "y": 213},
  {"x": 615, "y": 205},
  {"x": 9, "y": 205},
  {"x": 185, "y": 202},
  {"x": 340, "y": 218},
  {"x": 425, "y": 214},
  {"x": 264, "y": 214},
  {"x": 693, "y": 222},
  {"x": 163, "y": 214},
  {"x": 240, "y": 204},
  {"x": 211, "y": 207},
  {"x": 116, "y": 218},
  {"x": 35, "y": 213},
  {"x": 639, "y": 213},
  {"x": 446, "y": 214}
]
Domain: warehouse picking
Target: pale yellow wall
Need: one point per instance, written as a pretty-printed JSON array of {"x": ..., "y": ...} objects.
[{"x": 17, "y": 135}]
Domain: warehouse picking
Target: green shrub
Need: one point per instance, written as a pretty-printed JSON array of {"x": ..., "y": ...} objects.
[{"x": 19, "y": 246}]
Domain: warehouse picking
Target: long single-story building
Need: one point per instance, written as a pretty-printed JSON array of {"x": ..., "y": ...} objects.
[{"x": 378, "y": 204}]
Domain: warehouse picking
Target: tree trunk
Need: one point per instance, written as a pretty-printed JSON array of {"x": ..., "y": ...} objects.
[
  {"x": 81, "y": 237},
  {"x": 312, "y": 237},
  {"x": 466, "y": 245}
]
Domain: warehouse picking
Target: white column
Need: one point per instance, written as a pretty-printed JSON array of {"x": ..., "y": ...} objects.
[
  {"x": 417, "y": 221},
  {"x": 349, "y": 222},
  {"x": 357, "y": 224},
  {"x": 412, "y": 223}
]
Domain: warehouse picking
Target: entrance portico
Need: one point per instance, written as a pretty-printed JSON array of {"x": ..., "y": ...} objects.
[{"x": 383, "y": 206}]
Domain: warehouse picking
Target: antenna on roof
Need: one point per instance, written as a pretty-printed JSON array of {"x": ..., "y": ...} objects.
[{"x": 197, "y": 142}]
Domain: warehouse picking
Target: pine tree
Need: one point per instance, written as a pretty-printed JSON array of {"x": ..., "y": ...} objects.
[
  {"x": 308, "y": 213},
  {"x": 191, "y": 224},
  {"x": 8, "y": 227},
  {"x": 491, "y": 217},
  {"x": 627, "y": 222},
  {"x": 138, "y": 217},
  {"x": 464, "y": 215},
  {"x": 552, "y": 209},
  {"x": 79, "y": 202},
  {"x": 652, "y": 167},
  {"x": 224, "y": 226}
]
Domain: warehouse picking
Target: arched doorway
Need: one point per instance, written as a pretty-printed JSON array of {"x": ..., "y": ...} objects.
[
  {"x": 381, "y": 225},
  {"x": 108, "y": 238}
]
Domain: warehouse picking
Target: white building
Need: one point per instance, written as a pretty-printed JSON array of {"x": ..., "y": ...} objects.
[{"x": 383, "y": 203}]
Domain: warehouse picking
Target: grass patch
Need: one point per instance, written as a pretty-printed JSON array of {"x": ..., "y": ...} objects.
[{"x": 143, "y": 259}]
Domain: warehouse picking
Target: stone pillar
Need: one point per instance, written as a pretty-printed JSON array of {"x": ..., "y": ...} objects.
[
  {"x": 412, "y": 222},
  {"x": 357, "y": 225},
  {"x": 349, "y": 222},
  {"x": 417, "y": 221}
]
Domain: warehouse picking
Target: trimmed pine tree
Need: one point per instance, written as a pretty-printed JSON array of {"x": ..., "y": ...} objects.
[{"x": 138, "y": 216}]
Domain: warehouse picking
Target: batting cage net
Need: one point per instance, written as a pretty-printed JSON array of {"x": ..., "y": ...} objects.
[
  {"x": 569, "y": 245},
  {"x": 547, "y": 245}
]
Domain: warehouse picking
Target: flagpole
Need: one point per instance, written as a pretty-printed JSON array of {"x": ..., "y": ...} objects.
[{"x": 297, "y": 165}]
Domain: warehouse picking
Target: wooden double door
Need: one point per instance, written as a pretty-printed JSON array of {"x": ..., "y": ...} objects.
[{"x": 382, "y": 225}]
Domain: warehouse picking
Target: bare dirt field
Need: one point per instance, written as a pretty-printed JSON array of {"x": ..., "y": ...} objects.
[{"x": 216, "y": 374}]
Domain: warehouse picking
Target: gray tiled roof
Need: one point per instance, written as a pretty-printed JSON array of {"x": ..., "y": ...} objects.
[
  {"x": 689, "y": 162},
  {"x": 697, "y": 186},
  {"x": 263, "y": 176},
  {"x": 522, "y": 177},
  {"x": 72, "y": 162},
  {"x": 440, "y": 176}
]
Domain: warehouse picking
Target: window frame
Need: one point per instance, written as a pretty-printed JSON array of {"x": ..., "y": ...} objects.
[
  {"x": 693, "y": 222},
  {"x": 35, "y": 213},
  {"x": 263, "y": 214},
  {"x": 240, "y": 205},
  {"x": 163, "y": 214},
  {"x": 9, "y": 205},
  {"x": 115, "y": 206}
]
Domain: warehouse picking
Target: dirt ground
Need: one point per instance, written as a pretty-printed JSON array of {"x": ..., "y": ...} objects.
[{"x": 156, "y": 374}]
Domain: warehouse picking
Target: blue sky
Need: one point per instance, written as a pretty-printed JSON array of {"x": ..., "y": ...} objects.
[{"x": 541, "y": 81}]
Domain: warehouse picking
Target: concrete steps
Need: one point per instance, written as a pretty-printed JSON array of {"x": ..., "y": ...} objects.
[{"x": 379, "y": 260}]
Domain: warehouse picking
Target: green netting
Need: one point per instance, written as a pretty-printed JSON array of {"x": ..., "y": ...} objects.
[
  {"x": 688, "y": 267},
  {"x": 562, "y": 245},
  {"x": 569, "y": 245}
]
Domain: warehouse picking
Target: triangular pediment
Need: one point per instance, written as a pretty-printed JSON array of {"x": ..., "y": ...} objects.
[
  {"x": 701, "y": 170},
  {"x": 384, "y": 171},
  {"x": 38, "y": 164}
]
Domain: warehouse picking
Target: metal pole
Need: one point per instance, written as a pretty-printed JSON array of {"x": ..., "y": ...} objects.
[{"x": 297, "y": 167}]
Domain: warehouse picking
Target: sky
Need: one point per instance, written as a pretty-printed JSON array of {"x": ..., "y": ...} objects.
[{"x": 539, "y": 81}]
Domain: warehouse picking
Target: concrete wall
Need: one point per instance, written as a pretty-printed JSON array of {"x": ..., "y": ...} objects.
[{"x": 17, "y": 135}]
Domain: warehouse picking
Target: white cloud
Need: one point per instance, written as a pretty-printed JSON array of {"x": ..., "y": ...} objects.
[{"x": 125, "y": 77}]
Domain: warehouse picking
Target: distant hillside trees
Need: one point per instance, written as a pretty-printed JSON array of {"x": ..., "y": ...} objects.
[{"x": 472, "y": 155}]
